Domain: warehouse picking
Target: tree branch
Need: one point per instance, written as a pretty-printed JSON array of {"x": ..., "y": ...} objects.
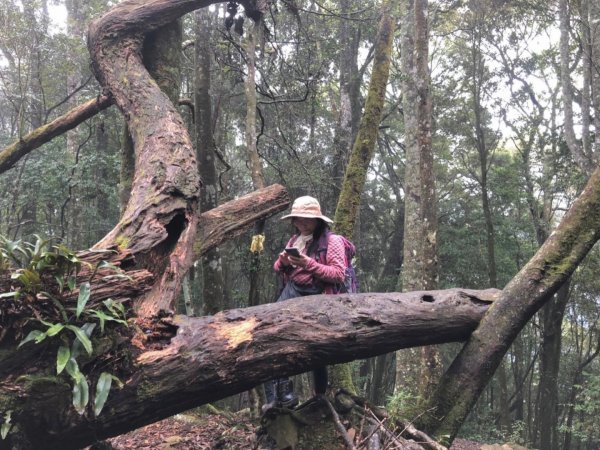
[{"x": 10, "y": 155}]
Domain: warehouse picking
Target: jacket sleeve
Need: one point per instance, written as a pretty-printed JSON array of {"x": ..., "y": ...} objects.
[{"x": 334, "y": 270}]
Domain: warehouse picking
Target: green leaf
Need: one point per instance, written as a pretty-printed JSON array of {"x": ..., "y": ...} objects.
[
  {"x": 121, "y": 309},
  {"x": 45, "y": 322},
  {"x": 6, "y": 425},
  {"x": 81, "y": 337},
  {"x": 119, "y": 382},
  {"x": 36, "y": 335},
  {"x": 77, "y": 347},
  {"x": 73, "y": 369},
  {"x": 84, "y": 296},
  {"x": 81, "y": 394},
  {"x": 80, "y": 386},
  {"x": 61, "y": 282},
  {"x": 40, "y": 245},
  {"x": 88, "y": 328},
  {"x": 102, "y": 390},
  {"x": 62, "y": 358},
  {"x": 107, "y": 265},
  {"x": 30, "y": 279},
  {"x": 115, "y": 308},
  {"x": 58, "y": 304},
  {"x": 103, "y": 318},
  {"x": 55, "y": 329},
  {"x": 67, "y": 253},
  {"x": 71, "y": 282}
]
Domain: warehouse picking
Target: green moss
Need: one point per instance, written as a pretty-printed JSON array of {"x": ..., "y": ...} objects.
[
  {"x": 147, "y": 390},
  {"x": 37, "y": 384},
  {"x": 122, "y": 242},
  {"x": 341, "y": 377}
]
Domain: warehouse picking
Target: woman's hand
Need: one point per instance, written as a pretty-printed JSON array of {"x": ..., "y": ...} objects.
[
  {"x": 285, "y": 259},
  {"x": 299, "y": 261}
]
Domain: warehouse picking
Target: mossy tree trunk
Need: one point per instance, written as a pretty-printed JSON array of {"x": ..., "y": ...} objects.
[
  {"x": 347, "y": 210},
  {"x": 29, "y": 142}
]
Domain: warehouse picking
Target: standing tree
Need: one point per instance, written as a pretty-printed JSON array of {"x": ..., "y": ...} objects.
[
  {"x": 346, "y": 213},
  {"x": 419, "y": 267},
  {"x": 213, "y": 294}
]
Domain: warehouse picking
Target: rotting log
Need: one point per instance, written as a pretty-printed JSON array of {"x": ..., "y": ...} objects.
[{"x": 208, "y": 358}]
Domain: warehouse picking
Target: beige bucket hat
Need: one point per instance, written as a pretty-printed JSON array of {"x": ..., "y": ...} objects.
[{"x": 309, "y": 207}]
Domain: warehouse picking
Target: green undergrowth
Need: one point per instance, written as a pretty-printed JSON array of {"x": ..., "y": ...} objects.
[{"x": 43, "y": 280}]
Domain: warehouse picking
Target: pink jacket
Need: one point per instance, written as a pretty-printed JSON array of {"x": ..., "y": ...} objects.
[{"x": 332, "y": 272}]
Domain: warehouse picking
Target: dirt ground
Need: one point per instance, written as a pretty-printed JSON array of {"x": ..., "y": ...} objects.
[{"x": 208, "y": 432}]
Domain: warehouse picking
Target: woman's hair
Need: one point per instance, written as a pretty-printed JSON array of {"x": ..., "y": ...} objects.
[{"x": 321, "y": 228}]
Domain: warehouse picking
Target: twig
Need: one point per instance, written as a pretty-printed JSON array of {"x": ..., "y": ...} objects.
[
  {"x": 422, "y": 437},
  {"x": 338, "y": 424},
  {"x": 395, "y": 439}
]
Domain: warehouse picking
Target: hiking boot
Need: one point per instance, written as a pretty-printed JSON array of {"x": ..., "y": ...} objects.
[{"x": 285, "y": 393}]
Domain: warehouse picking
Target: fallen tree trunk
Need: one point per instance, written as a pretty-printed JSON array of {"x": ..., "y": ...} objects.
[{"x": 199, "y": 360}]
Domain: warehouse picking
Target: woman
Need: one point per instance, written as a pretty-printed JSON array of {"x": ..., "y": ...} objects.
[{"x": 317, "y": 268}]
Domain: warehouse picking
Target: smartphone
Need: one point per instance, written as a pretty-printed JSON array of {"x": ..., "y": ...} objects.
[{"x": 293, "y": 251}]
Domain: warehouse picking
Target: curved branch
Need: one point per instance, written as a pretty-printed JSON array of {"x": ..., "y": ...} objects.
[{"x": 159, "y": 223}]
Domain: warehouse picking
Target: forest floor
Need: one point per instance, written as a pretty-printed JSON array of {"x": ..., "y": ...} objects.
[{"x": 209, "y": 432}]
